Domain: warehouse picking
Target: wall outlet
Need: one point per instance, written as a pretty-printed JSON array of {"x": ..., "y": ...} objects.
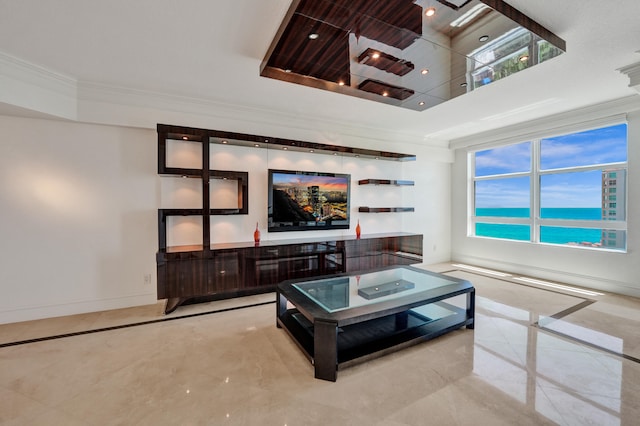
[{"x": 147, "y": 279}]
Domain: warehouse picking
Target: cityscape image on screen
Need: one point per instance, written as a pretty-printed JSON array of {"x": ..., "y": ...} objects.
[{"x": 308, "y": 200}]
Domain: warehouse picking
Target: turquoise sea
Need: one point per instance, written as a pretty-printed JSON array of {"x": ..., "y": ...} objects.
[{"x": 548, "y": 234}]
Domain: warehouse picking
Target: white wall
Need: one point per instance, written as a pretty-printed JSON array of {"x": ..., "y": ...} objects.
[
  {"x": 78, "y": 218},
  {"x": 608, "y": 271},
  {"x": 78, "y": 203}
]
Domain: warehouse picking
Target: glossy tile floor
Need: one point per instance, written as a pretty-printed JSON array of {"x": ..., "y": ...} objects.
[{"x": 537, "y": 356}]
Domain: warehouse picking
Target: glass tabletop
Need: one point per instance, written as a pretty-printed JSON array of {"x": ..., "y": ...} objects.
[{"x": 345, "y": 292}]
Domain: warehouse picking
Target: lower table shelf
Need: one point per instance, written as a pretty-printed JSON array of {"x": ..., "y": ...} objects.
[{"x": 336, "y": 327}]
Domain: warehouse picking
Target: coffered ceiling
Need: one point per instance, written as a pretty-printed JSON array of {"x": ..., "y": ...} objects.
[{"x": 213, "y": 53}]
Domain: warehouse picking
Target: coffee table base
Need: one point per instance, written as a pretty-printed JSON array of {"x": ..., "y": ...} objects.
[{"x": 331, "y": 348}]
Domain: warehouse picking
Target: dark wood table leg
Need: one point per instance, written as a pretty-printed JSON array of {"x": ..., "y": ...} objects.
[
  {"x": 281, "y": 307},
  {"x": 325, "y": 348},
  {"x": 471, "y": 308}
]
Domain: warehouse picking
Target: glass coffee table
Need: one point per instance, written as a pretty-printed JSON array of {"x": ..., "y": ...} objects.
[{"x": 342, "y": 319}]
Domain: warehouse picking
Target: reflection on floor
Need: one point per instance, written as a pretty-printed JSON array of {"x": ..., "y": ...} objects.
[{"x": 538, "y": 355}]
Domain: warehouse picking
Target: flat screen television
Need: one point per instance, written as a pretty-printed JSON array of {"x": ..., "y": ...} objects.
[{"x": 301, "y": 201}]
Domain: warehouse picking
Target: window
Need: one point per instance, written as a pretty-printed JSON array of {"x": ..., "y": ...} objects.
[{"x": 554, "y": 190}]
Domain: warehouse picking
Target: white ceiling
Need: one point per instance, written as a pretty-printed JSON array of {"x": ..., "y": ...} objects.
[{"x": 212, "y": 50}]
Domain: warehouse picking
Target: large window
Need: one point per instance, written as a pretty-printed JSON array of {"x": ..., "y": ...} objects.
[{"x": 568, "y": 189}]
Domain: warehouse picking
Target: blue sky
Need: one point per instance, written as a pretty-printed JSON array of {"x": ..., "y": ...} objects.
[{"x": 580, "y": 189}]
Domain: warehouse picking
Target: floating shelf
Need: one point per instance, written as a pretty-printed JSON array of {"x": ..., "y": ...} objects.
[
  {"x": 386, "y": 182},
  {"x": 385, "y": 209},
  {"x": 192, "y": 134}
]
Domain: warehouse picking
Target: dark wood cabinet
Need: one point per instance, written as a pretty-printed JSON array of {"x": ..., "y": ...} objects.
[{"x": 227, "y": 270}]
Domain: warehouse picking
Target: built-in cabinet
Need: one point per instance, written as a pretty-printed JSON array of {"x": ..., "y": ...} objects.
[
  {"x": 237, "y": 269},
  {"x": 192, "y": 273}
]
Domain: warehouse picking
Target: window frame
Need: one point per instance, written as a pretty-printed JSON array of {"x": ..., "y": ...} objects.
[{"x": 534, "y": 221}]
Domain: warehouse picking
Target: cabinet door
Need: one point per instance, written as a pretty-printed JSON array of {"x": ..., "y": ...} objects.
[
  {"x": 223, "y": 273},
  {"x": 185, "y": 278}
]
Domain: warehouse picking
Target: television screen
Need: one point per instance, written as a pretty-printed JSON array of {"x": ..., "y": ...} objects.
[{"x": 308, "y": 200}]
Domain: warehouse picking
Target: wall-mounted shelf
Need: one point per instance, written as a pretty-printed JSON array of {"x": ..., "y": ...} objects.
[
  {"x": 386, "y": 182},
  {"x": 385, "y": 209},
  {"x": 390, "y": 182},
  {"x": 240, "y": 139}
]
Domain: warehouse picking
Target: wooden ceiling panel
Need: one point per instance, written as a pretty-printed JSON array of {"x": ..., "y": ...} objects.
[
  {"x": 347, "y": 33},
  {"x": 326, "y": 57},
  {"x": 397, "y": 23}
]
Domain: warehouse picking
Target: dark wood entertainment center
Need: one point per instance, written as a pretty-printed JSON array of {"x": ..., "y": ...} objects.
[{"x": 206, "y": 271}]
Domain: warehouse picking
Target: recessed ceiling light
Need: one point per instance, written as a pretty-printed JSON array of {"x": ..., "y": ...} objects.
[
  {"x": 310, "y": 150},
  {"x": 483, "y": 38},
  {"x": 335, "y": 153},
  {"x": 285, "y": 148},
  {"x": 385, "y": 94},
  {"x": 225, "y": 141},
  {"x": 421, "y": 103},
  {"x": 524, "y": 58},
  {"x": 341, "y": 83},
  {"x": 430, "y": 12},
  {"x": 313, "y": 36},
  {"x": 424, "y": 71},
  {"x": 287, "y": 70},
  {"x": 185, "y": 138},
  {"x": 376, "y": 55},
  {"x": 257, "y": 145},
  {"x": 463, "y": 84}
]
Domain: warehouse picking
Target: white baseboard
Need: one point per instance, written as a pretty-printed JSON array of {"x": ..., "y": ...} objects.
[{"x": 74, "y": 308}]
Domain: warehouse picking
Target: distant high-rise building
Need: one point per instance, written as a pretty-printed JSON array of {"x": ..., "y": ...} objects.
[
  {"x": 314, "y": 197},
  {"x": 614, "y": 206}
]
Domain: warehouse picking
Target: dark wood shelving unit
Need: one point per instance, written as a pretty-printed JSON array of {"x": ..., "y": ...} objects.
[{"x": 204, "y": 272}]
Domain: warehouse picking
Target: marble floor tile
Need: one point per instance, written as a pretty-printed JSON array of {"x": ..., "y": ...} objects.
[{"x": 234, "y": 367}]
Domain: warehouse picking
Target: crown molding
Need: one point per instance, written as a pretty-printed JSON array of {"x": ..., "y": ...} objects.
[
  {"x": 32, "y": 87},
  {"x": 633, "y": 72},
  {"x": 545, "y": 126},
  {"x": 140, "y": 108}
]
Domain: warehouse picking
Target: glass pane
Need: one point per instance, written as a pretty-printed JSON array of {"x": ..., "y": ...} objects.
[
  {"x": 585, "y": 237},
  {"x": 575, "y": 196},
  {"x": 507, "y": 159},
  {"x": 505, "y": 231},
  {"x": 598, "y": 146},
  {"x": 589, "y": 195},
  {"x": 507, "y": 197}
]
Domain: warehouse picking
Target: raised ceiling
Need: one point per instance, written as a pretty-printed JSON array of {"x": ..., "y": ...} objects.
[
  {"x": 197, "y": 63},
  {"x": 414, "y": 54}
]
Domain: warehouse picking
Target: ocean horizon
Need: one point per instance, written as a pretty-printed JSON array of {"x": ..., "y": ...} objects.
[{"x": 548, "y": 234}]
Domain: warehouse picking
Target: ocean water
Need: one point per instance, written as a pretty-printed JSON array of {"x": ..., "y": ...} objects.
[{"x": 548, "y": 234}]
